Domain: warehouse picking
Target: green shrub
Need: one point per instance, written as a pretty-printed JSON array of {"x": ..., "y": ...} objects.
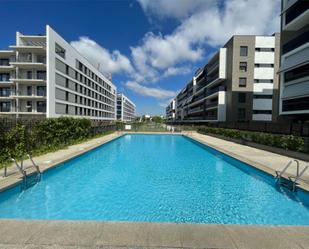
[
  {"x": 47, "y": 135},
  {"x": 287, "y": 142}
]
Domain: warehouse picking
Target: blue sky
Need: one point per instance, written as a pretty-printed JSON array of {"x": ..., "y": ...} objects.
[{"x": 151, "y": 47}]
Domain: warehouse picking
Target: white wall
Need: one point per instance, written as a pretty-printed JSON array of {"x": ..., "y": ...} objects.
[{"x": 70, "y": 59}]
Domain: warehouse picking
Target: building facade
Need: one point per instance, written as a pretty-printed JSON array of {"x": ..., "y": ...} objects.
[
  {"x": 126, "y": 109},
  {"x": 44, "y": 76},
  {"x": 171, "y": 111},
  {"x": 294, "y": 68},
  {"x": 239, "y": 83}
]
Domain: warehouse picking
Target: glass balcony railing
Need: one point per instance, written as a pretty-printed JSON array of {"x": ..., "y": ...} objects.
[
  {"x": 296, "y": 42},
  {"x": 296, "y": 10}
]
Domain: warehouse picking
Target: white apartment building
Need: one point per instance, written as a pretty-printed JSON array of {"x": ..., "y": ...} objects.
[
  {"x": 294, "y": 68},
  {"x": 44, "y": 76},
  {"x": 126, "y": 109}
]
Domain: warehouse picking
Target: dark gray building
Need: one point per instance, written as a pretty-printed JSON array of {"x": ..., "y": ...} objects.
[{"x": 294, "y": 69}]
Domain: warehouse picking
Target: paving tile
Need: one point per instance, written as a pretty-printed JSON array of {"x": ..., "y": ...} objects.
[
  {"x": 299, "y": 234},
  {"x": 122, "y": 234},
  {"x": 260, "y": 237},
  {"x": 209, "y": 236},
  {"x": 66, "y": 233},
  {"x": 18, "y": 231}
]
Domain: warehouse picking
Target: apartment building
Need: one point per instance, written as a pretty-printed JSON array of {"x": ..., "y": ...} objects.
[
  {"x": 44, "y": 76},
  {"x": 126, "y": 109},
  {"x": 171, "y": 111},
  {"x": 294, "y": 68},
  {"x": 239, "y": 83}
]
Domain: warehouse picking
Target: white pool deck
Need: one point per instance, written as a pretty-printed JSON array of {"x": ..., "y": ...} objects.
[{"x": 84, "y": 234}]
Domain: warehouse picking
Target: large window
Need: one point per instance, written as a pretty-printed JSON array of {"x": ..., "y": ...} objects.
[
  {"x": 4, "y": 62},
  {"x": 298, "y": 104},
  {"x": 297, "y": 73},
  {"x": 242, "y": 82},
  {"x": 59, "y": 50},
  {"x": 41, "y": 106},
  {"x": 5, "y": 106},
  {"x": 41, "y": 90},
  {"x": 243, "y": 51},
  {"x": 5, "y": 91},
  {"x": 4, "y": 76},
  {"x": 41, "y": 75},
  {"x": 29, "y": 90}
]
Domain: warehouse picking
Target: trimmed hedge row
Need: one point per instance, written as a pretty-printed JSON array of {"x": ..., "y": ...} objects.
[
  {"x": 287, "y": 142},
  {"x": 48, "y": 135}
]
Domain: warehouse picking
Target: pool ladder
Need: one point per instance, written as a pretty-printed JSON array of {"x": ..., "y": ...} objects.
[
  {"x": 28, "y": 179},
  {"x": 290, "y": 182}
]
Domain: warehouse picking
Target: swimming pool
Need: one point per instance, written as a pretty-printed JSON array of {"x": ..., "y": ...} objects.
[{"x": 157, "y": 178}]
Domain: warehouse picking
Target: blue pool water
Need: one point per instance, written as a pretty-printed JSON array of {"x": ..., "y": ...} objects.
[{"x": 157, "y": 178}]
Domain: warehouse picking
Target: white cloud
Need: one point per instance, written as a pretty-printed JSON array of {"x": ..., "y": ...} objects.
[
  {"x": 201, "y": 23},
  {"x": 174, "y": 8},
  {"x": 209, "y": 24},
  {"x": 107, "y": 62},
  {"x": 157, "y": 93},
  {"x": 173, "y": 71}
]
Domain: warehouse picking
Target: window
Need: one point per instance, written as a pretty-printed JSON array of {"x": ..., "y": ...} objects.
[
  {"x": 5, "y": 106},
  {"x": 41, "y": 75},
  {"x": 242, "y": 97},
  {"x": 29, "y": 90},
  {"x": 264, "y": 49},
  {"x": 241, "y": 114},
  {"x": 29, "y": 106},
  {"x": 41, "y": 90},
  {"x": 5, "y": 91},
  {"x": 263, "y": 96},
  {"x": 4, "y": 62},
  {"x": 297, "y": 73},
  {"x": 41, "y": 106},
  {"x": 243, "y": 66},
  {"x": 243, "y": 51},
  {"x": 264, "y": 65},
  {"x": 295, "y": 104},
  {"x": 262, "y": 112},
  {"x": 242, "y": 82},
  {"x": 66, "y": 96},
  {"x": 59, "y": 50},
  {"x": 29, "y": 75},
  {"x": 4, "y": 76},
  {"x": 263, "y": 81}
]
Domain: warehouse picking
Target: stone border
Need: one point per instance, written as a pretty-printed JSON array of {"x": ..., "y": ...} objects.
[{"x": 92, "y": 234}]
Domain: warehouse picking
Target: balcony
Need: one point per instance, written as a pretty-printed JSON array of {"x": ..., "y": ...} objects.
[
  {"x": 196, "y": 110},
  {"x": 28, "y": 63},
  {"x": 296, "y": 43},
  {"x": 297, "y": 16},
  {"x": 212, "y": 105}
]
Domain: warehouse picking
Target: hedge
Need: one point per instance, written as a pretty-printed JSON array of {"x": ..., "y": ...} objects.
[
  {"x": 287, "y": 142},
  {"x": 48, "y": 135}
]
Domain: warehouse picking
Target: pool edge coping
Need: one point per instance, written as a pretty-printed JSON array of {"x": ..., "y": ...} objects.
[
  {"x": 95, "y": 234},
  {"x": 304, "y": 186}
]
